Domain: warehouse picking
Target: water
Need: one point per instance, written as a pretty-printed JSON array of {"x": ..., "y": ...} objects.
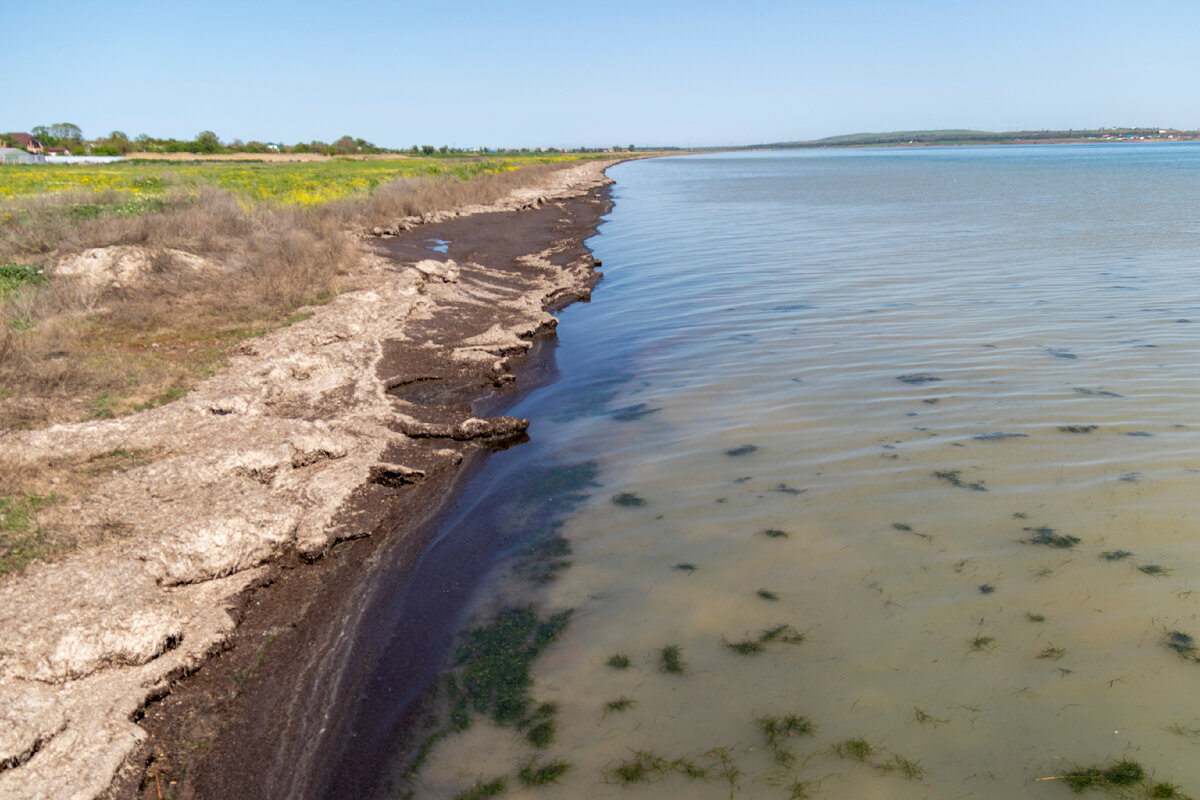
[{"x": 948, "y": 361}]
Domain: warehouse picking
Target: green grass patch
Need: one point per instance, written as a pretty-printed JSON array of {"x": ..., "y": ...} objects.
[
  {"x": 21, "y": 540},
  {"x": 14, "y": 276}
]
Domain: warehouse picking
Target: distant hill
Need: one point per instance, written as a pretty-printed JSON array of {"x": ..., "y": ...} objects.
[{"x": 965, "y": 136}]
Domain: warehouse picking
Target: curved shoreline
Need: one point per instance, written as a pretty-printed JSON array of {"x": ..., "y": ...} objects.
[{"x": 348, "y": 423}]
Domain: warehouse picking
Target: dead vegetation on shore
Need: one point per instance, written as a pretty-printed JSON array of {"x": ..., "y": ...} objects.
[{"x": 110, "y": 306}]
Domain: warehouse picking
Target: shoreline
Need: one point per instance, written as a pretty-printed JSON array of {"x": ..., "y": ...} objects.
[{"x": 354, "y": 421}]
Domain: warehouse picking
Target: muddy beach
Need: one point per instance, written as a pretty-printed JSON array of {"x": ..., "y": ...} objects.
[{"x": 205, "y": 652}]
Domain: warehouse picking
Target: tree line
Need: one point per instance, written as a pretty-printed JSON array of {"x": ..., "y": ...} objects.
[{"x": 118, "y": 143}]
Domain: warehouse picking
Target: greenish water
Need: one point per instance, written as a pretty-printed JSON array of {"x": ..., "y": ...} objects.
[{"x": 898, "y": 449}]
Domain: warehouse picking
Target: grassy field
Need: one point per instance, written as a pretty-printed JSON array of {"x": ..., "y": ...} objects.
[{"x": 303, "y": 183}]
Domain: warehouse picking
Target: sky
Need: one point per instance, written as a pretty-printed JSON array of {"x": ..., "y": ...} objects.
[{"x": 595, "y": 74}]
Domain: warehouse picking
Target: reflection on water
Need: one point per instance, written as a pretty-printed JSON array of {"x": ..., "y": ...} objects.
[{"x": 897, "y": 458}]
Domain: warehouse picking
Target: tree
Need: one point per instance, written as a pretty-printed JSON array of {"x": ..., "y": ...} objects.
[
  {"x": 345, "y": 146},
  {"x": 67, "y": 133},
  {"x": 207, "y": 142},
  {"x": 428, "y": 149},
  {"x": 115, "y": 144}
]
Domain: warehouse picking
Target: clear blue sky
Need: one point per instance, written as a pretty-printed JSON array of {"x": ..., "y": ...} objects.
[{"x": 540, "y": 73}]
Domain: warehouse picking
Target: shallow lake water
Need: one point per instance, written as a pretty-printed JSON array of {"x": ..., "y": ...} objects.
[{"x": 903, "y": 442}]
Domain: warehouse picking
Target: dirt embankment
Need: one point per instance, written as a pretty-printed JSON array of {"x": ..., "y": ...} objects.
[{"x": 314, "y": 434}]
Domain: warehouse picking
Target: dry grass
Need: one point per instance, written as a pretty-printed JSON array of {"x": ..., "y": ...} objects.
[
  {"x": 68, "y": 351},
  {"x": 35, "y": 522},
  {"x": 417, "y": 196}
]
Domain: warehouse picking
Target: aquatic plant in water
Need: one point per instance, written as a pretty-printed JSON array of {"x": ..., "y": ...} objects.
[
  {"x": 1181, "y": 643},
  {"x": 855, "y": 749},
  {"x": 640, "y": 768},
  {"x": 671, "y": 660},
  {"x": 534, "y": 774},
  {"x": 777, "y": 730},
  {"x": 1123, "y": 773},
  {"x": 746, "y": 647},
  {"x": 620, "y": 704},
  {"x": 906, "y": 767},
  {"x": 482, "y": 789},
  {"x": 925, "y": 718},
  {"x": 1048, "y": 537},
  {"x": 955, "y": 479},
  {"x": 544, "y": 559},
  {"x": 982, "y": 643},
  {"x": 494, "y": 661},
  {"x": 618, "y": 661},
  {"x": 781, "y": 633}
]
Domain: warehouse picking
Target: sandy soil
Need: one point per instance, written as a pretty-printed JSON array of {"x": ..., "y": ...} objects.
[{"x": 355, "y": 420}]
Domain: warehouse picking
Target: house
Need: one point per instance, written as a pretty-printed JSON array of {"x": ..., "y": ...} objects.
[{"x": 28, "y": 143}]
